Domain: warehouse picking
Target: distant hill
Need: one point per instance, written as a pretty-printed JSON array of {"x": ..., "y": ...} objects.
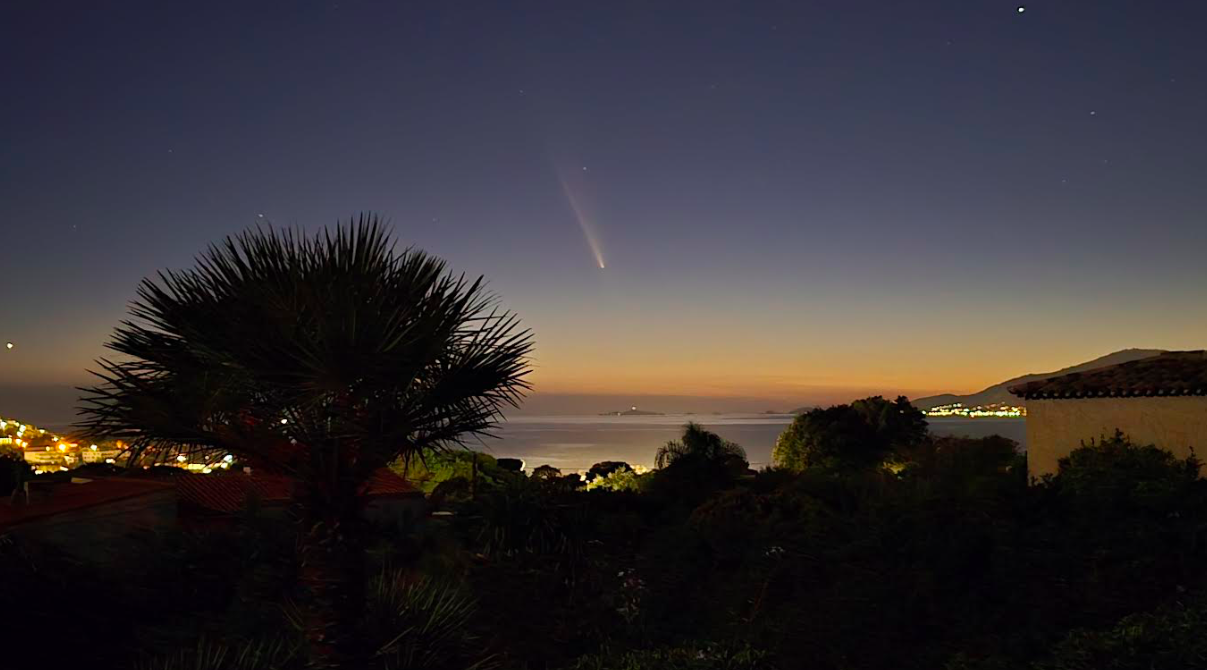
[{"x": 998, "y": 393}]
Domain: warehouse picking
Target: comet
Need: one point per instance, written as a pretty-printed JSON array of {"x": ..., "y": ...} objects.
[{"x": 584, "y": 221}]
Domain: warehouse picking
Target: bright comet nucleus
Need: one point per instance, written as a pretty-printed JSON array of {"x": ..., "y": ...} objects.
[{"x": 584, "y": 221}]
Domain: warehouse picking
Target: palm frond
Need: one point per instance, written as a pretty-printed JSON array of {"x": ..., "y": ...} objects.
[{"x": 329, "y": 352}]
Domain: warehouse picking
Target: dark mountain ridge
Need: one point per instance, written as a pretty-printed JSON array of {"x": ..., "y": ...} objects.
[{"x": 999, "y": 393}]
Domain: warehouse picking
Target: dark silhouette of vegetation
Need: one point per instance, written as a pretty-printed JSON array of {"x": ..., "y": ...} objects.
[
  {"x": 864, "y": 434},
  {"x": 699, "y": 444},
  {"x": 547, "y": 472},
  {"x": 510, "y": 464},
  {"x": 326, "y": 357},
  {"x": 947, "y": 558},
  {"x": 606, "y": 468},
  {"x": 13, "y": 472}
]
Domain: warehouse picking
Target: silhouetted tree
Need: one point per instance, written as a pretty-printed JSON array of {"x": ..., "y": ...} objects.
[
  {"x": 510, "y": 464},
  {"x": 13, "y": 471},
  {"x": 546, "y": 472},
  {"x": 326, "y": 357},
  {"x": 696, "y": 465},
  {"x": 605, "y": 468},
  {"x": 860, "y": 435},
  {"x": 698, "y": 443}
]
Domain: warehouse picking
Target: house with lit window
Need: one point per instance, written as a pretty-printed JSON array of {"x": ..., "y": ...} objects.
[{"x": 1160, "y": 400}]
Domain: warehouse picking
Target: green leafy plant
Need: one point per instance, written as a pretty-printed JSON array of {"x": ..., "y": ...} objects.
[
  {"x": 690, "y": 657},
  {"x": 861, "y": 435},
  {"x": 215, "y": 655},
  {"x": 422, "y": 624}
]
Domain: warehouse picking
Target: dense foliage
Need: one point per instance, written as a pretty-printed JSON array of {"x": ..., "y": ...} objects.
[
  {"x": 863, "y": 434},
  {"x": 941, "y": 556},
  {"x": 13, "y": 470}
]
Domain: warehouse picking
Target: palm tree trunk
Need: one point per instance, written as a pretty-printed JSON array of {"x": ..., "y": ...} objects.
[{"x": 332, "y": 576}]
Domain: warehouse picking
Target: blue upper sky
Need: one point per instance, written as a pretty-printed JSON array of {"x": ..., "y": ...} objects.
[{"x": 791, "y": 198}]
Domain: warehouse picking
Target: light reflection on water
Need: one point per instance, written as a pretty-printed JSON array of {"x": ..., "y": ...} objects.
[{"x": 577, "y": 442}]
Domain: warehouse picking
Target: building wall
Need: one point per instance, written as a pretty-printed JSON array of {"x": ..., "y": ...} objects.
[{"x": 1057, "y": 427}]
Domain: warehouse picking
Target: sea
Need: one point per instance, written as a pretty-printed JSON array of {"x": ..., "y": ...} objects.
[{"x": 575, "y": 443}]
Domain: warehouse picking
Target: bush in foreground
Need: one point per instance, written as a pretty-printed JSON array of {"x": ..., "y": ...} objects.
[{"x": 693, "y": 657}]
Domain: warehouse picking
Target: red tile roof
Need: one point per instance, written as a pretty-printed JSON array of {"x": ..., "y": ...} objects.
[
  {"x": 69, "y": 497},
  {"x": 229, "y": 493},
  {"x": 386, "y": 483},
  {"x": 1173, "y": 373}
]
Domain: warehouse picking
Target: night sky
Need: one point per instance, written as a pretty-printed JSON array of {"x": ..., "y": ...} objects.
[{"x": 793, "y": 200}]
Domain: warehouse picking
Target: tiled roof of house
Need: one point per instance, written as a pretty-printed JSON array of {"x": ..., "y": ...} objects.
[
  {"x": 69, "y": 497},
  {"x": 229, "y": 493},
  {"x": 1173, "y": 373},
  {"x": 386, "y": 483}
]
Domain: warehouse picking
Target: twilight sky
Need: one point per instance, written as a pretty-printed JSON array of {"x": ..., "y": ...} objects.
[{"x": 799, "y": 201}]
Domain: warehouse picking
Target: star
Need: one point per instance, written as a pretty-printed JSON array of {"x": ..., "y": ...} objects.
[
  {"x": 584, "y": 168},
  {"x": 1093, "y": 113},
  {"x": 1021, "y": 9},
  {"x": 9, "y": 345}
]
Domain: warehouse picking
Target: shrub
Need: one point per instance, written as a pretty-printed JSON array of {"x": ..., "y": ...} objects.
[
  {"x": 433, "y": 467},
  {"x": 1115, "y": 473},
  {"x": 546, "y": 472},
  {"x": 618, "y": 480},
  {"x": 510, "y": 464},
  {"x": 857, "y": 436},
  {"x": 421, "y": 624},
  {"x": 1169, "y": 638},
  {"x": 214, "y": 655},
  {"x": 691, "y": 657},
  {"x": 605, "y": 468},
  {"x": 13, "y": 470}
]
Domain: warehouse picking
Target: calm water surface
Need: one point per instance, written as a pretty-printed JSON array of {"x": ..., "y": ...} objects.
[{"x": 577, "y": 442}]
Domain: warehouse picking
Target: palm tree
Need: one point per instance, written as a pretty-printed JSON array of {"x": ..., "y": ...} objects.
[
  {"x": 325, "y": 357},
  {"x": 699, "y": 444}
]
